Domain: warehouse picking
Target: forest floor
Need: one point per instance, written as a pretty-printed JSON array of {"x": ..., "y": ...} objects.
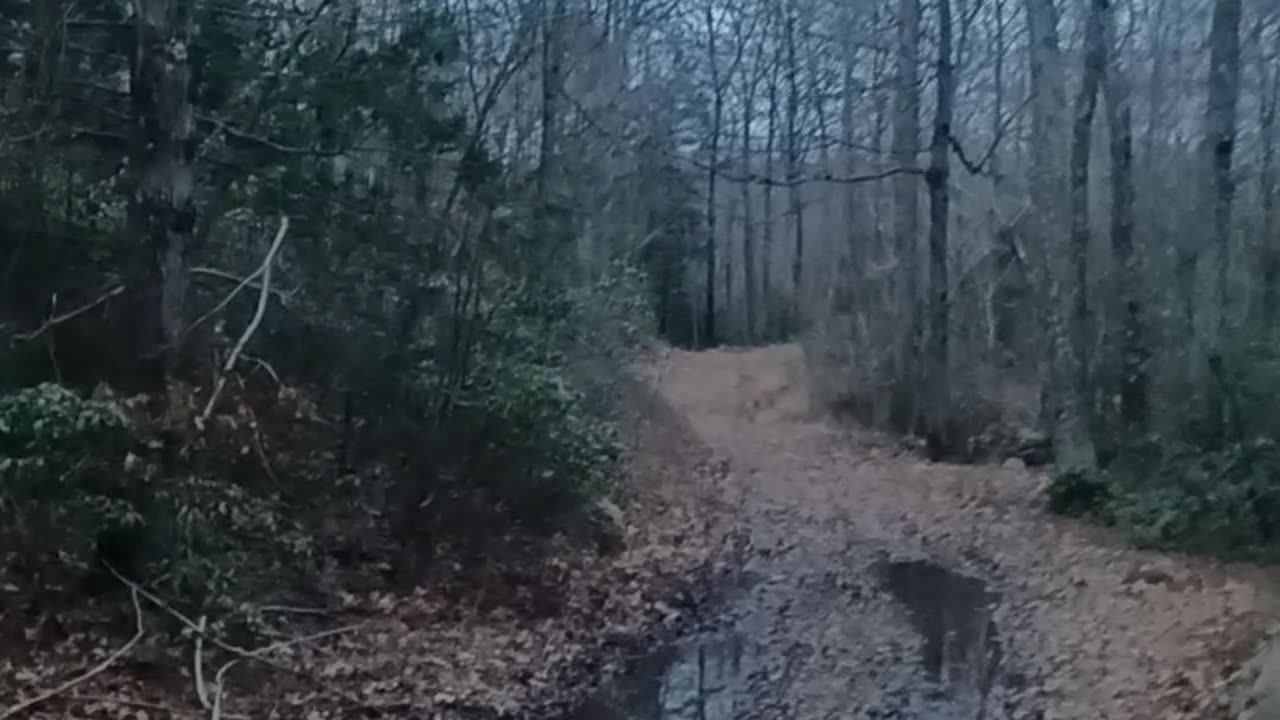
[
  {"x": 864, "y": 556},
  {"x": 855, "y": 580}
]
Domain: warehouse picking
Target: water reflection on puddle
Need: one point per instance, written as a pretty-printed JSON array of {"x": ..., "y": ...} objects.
[
  {"x": 697, "y": 680},
  {"x": 706, "y": 678},
  {"x": 953, "y": 614}
]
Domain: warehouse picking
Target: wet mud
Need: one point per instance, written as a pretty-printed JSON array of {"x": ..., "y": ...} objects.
[{"x": 883, "y": 638}]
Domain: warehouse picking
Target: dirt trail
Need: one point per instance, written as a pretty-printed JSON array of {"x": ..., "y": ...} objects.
[{"x": 1089, "y": 628}]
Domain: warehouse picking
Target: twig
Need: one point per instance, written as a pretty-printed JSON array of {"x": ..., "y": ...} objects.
[
  {"x": 125, "y": 702},
  {"x": 281, "y": 295},
  {"x": 249, "y": 280},
  {"x": 249, "y": 329},
  {"x": 243, "y": 653},
  {"x": 290, "y": 610},
  {"x": 197, "y": 665},
  {"x": 265, "y": 366},
  {"x": 70, "y": 315},
  {"x": 111, "y": 659},
  {"x": 260, "y": 447},
  {"x": 217, "y": 698},
  {"x": 219, "y": 683}
]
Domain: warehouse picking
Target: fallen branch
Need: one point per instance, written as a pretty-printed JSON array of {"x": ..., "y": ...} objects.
[
  {"x": 281, "y": 295},
  {"x": 241, "y": 653},
  {"x": 70, "y": 315},
  {"x": 218, "y": 678},
  {"x": 249, "y": 280},
  {"x": 96, "y": 669},
  {"x": 265, "y": 366},
  {"x": 265, "y": 271},
  {"x": 126, "y": 702},
  {"x": 291, "y": 610},
  {"x": 197, "y": 665}
]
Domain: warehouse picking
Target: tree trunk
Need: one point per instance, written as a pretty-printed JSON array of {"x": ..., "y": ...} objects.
[
  {"x": 1130, "y": 348},
  {"x": 766, "y": 229},
  {"x": 162, "y": 149},
  {"x": 1048, "y": 185},
  {"x": 793, "y": 169},
  {"x": 849, "y": 216},
  {"x": 545, "y": 229},
  {"x": 1270, "y": 200},
  {"x": 717, "y": 112},
  {"x": 1073, "y": 351},
  {"x": 1220, "y": 127},
  {"x": 1001, "y": 234},
  {"x": 937, "y": 179},
  {"x": 906, "y": 141},
  {"x": 748, "y": 232}
]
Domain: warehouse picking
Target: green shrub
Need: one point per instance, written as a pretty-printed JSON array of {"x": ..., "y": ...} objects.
[
  {"x": 1077, "y": 493},
  {"x": 59, "y": 467},
  {"x": 1167, "y": 493},
  {"x": 70, "y": 478},
  {"x": 1209, "y": 479},
  {"x": 531, "y": 412}
]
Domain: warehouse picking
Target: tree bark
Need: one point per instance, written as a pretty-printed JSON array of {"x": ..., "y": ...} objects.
[
  {"x": 766, "y": 230},
  {"x": 1270, "y": 199},
  {"x": 162, "y": 150},
  {"x": 905, "y": 143},
  {"x": 1001, "y": 234},
  {"x": 548, "y": 172},
  {"x": 937, "y": 179},
  {"x": 717, "y": 112},
  {"x": 1074, "y": 416},
  {"x": 1220, "y": 127},
  {"x": 1130, "y": 348},
  {"x": 748, "y": 232},
  {"x": 1048, "y": 185},
  {"x": 793, "y": 168}
]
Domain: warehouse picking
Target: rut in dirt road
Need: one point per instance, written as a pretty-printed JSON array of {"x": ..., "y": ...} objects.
[{"x": 880, "y": 586}]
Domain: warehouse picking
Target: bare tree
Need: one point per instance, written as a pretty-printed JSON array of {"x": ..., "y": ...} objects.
[
  {"x": 766, "y": 237},
  {"x": 1129, "y": 349},
  {"x": 1074, "y": 413},
  {"x": 1047, "y": 182},
  {"x": 553, "y": 14},
  {"x": 1267, "y": 176},
  {"x": 163, "y": 209},
  {"x": 906, "y": 142},
  {"x": 751, "y": 76},
  {"x": 1219, "y": 143},
  {"x": 717, "y": 113},
  {"x": 794, "y": 162},
  {"x": 937, "y": 178}
]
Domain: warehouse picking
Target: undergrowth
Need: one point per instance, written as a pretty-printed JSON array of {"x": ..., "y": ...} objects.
[
  {"x": 504, "y": 422},
  {"x": 1208, "y": 480}
]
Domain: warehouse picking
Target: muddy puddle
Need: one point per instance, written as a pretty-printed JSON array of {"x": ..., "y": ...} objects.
[
  {"x": 952, "y": 613},
  {"x": 697, "y": 680},
  {"x": 949, "y": 667}
]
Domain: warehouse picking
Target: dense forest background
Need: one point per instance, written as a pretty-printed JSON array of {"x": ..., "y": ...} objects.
[{"x": 281, "y": 281}]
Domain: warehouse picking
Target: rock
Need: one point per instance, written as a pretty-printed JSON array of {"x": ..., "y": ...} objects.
[
  {"x": 1014, "y": 463},
  {"x": 1034, "y": 448},
  {"x": 609, "y": 526}
]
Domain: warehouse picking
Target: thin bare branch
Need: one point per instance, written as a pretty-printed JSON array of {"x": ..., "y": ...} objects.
[
  {"x": 88, "y": 674},
  {"x": 56, "y": 320},
  {"x": 265, "y": 272}
]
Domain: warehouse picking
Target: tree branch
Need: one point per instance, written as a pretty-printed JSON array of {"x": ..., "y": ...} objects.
[
  {"x": 825, "y": 178},
  {"x": 56, "y": 320},
  {"x": 264, "y": 292},
  {"x": 281, "y": 295}
]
